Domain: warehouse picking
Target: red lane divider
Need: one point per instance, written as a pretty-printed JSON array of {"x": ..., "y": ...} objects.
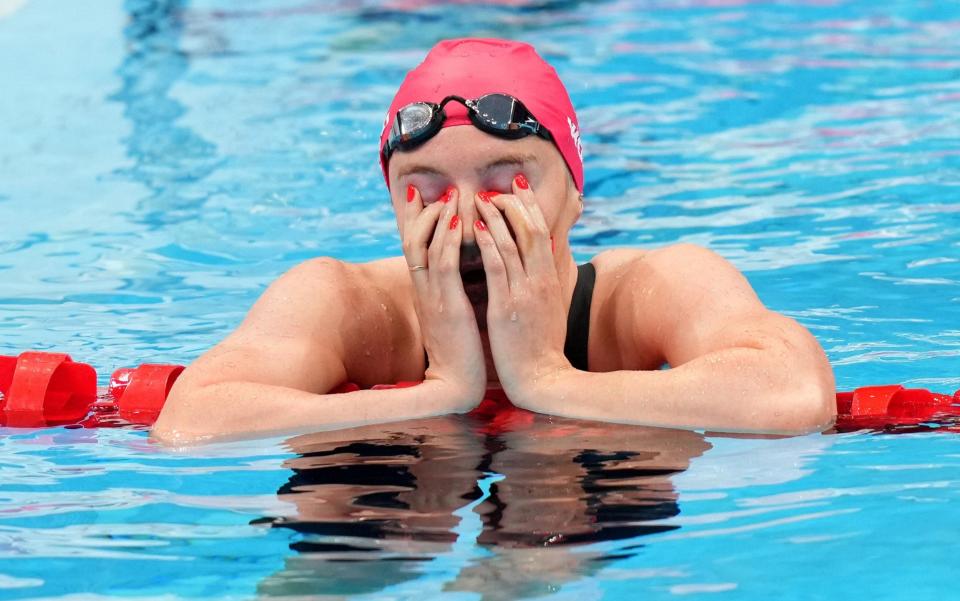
[
  {"x": 40, "y": 389},
  {"x": 879, "y": 407},
  {"x": 45, "y": 389},
  {"x": 145, "y": 392}
]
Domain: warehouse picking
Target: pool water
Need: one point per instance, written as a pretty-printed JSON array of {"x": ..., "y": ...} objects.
[{"x": 162, "y": 161}]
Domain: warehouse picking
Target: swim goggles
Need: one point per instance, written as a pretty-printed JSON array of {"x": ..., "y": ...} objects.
[{"x": 501, "y": 115}]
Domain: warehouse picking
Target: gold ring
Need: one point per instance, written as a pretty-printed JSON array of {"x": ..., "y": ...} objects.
[{"x": 417, "y": 267}]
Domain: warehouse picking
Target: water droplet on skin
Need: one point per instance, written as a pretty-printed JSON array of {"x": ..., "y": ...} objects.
[
  {"x": 383, "y": 306},
  {"x": 513, "y": 316},
  {"x": 440, "y": 310}
]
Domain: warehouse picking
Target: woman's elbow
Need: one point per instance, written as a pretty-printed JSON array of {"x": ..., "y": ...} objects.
[
  {"x": 806, "y": 410},
  {"x": 179, "y": 421},
  {"x": 808, "y": 401}
]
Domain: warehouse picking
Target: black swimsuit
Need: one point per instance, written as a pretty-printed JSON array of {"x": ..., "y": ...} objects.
[{"x": 578, "y": 319}]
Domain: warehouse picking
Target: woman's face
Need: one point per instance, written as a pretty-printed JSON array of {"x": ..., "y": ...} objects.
[{"x": 473, "y": 161}]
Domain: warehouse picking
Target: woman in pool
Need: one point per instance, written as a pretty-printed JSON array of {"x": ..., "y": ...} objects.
[{"x": 481, "y": 153}]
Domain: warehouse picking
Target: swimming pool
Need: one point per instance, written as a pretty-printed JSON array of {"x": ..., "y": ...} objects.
[{"x": 162, "y": 161}]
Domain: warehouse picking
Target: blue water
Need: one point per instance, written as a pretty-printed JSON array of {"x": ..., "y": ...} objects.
[{"x": 162, "y": 161}]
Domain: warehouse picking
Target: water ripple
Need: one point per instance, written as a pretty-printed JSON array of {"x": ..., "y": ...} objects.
[{"x": 152, "y": 190}]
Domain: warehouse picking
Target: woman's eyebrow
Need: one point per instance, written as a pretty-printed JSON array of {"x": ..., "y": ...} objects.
[
  {"x": 510, "y": 160},
  {"x": 411, "y": 169}
]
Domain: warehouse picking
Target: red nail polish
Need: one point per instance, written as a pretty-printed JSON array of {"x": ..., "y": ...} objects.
[
  {"x": 485, "y": 196},
  {"x": 481, "y": 225},
  {"x": 522, "y": 182},
  {"x": 411, "y": 192},
  {"x": 447, "y": 194},
  {"x": 454, "y": 221}
]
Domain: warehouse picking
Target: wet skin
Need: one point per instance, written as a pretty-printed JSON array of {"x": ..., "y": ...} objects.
[{"x": 735, "y": 366}]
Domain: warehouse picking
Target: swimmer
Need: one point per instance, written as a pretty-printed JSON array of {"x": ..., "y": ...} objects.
[{"x": 481, "y": 155}]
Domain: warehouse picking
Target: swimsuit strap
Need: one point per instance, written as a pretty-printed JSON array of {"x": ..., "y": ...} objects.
[{"x": 578, "y": 319}]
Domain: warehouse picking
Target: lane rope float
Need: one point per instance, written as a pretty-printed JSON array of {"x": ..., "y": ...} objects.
[{"x": 41, "y": 389}]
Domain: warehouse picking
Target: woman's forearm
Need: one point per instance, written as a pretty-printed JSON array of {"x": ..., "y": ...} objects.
[
  {"x": 735, "y": 390},
  {"x": 241, "y": 409}
]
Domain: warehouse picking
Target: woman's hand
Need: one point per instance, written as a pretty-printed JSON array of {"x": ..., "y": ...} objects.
[
  {"x": 448, "y": 326},
  {"x": 526, "y": 315}
]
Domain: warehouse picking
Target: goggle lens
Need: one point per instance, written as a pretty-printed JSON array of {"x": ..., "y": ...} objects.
[
  {"x": 414, "y": 117},
  {"x": 497, "y": 110}
]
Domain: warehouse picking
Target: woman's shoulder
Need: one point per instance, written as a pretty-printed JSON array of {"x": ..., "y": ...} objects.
[
  {"x": 626, "y": 260},
  {"x": 631, "y": 293},
  {"x": 614, "y": 259},
  {"x": 358, "y": 277},
  {"x": 377, "y": 320}
]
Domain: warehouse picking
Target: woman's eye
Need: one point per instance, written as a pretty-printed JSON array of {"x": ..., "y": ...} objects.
[
  {"x": 433, "y": 196},
  {"x": 502, "y": 182},
  {"x": 430, "y": 193}
]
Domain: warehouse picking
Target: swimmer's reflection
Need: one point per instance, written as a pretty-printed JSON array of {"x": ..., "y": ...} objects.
[{"x": 374, "y": 505}]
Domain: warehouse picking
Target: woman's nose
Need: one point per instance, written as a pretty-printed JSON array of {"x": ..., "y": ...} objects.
[{"x": 467, "y": 210}]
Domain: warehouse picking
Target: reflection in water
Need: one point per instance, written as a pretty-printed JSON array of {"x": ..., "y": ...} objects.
[{"x": 375, "y": 505}]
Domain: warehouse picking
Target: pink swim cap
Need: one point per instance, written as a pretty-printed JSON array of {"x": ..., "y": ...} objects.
[{"x": 473, "y": 67}]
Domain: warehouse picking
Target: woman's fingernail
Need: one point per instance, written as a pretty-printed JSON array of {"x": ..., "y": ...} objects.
[
  {"x": 487, "y": 195},
  {"x": 411, "y": 192},
  {"x": 522, "y": 182},
  {"x": 447, "y": 194},
  {"x": 481, "y": 225},
  {"x": 454, "y": 221}
]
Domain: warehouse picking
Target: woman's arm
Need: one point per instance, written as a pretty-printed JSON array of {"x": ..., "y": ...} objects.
[
  {"x": 735, "y": 365},
  {"x": 274, "y": 373}
]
